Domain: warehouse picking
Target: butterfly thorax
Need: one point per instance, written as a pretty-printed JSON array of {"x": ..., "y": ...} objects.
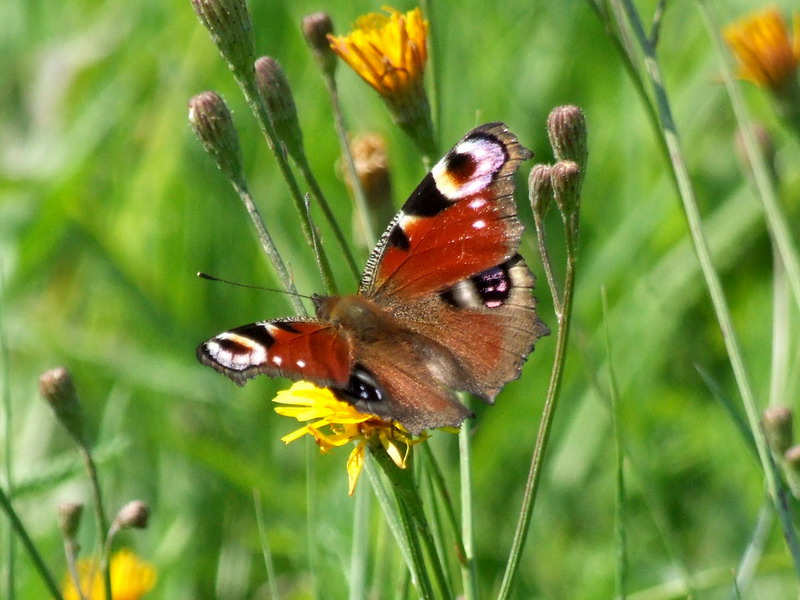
[{"x": 358, "y": 315}]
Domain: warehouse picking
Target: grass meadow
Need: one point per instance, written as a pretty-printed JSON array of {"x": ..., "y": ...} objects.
[{"x": 109, "y": 206}]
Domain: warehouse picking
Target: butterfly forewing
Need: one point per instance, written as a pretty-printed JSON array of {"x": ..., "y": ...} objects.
[{"x": 459, "y": 221}]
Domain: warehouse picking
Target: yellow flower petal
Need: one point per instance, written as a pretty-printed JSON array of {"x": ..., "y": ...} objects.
[
  {"x": 355, "y": 463},
  {"x": 761, "y": 44},
  {"x": 337, "y": 423},
  {"x": 131, "y": 578}
]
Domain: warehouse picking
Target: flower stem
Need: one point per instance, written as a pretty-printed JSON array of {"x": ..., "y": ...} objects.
[
  {"x": 100, "y": 516},
  {"x": 545, "y": 425},
  {"x": 269, "y": 246},
  {"x": 250, "y": 90},
  {"x": 316, "y": 193},
  {"x": 469, "y": 574},
  {"x": 670, "y": 134},
  {"x": 22, "y": 534},
  {"x": 370, "y": 228},
  {"x": 7, "y": 414}
]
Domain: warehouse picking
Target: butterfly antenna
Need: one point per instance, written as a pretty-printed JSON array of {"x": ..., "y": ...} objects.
[{"x": 252, "y": 287}]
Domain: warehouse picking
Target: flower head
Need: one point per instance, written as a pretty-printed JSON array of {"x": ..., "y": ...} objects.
[
  {"x": 131, "y": 578},
  {"x": 761, "y": 44},
  {"x": 389, "y": 52},
  {"x": 334, "y": 423}
]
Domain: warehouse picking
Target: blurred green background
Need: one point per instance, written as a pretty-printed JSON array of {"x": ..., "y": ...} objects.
[{"x": 108, "y": 207}]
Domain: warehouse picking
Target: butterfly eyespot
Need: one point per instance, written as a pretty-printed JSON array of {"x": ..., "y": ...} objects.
[{"x": 362, "y": 388}]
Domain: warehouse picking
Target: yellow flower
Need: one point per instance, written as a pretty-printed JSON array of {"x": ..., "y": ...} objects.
[
  {"x": 761, "y": 44},
  {"x": 389, "y": 52},
  {"x": 131, "y": 578},
  {"x": 336, "y": 423}
]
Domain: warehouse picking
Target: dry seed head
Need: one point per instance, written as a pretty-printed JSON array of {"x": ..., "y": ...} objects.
[
  {"x": 777, "y": 423},
  {"x": 274, "y": 88},
  {"x": 213, "y": 124},
  {"x": 57, "y": 388},
  {"x": 316, "y": 28}
]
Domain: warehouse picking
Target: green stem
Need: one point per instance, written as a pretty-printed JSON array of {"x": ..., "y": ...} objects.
[
  {"x": 22, "y": 534},
  {"x": 255, "y": 101},
  {"x": 7, "y": 415},
  {"x": 269, "y": 565},
  {"x": 401, "y": 525},
  {"x": 316, "y": 192},
  {"x": 545, "y": 426},
  {"x": 369, "y": 226},
  {"x": 670, "y": 134},
  {"x": 359, "y": 555},
  {"x": 269, "y": 247},
  {"x": 100, "y": 516},
  {"x": 621, "y": 572},
  {"x": 441, "y": 488},
  {"x": 469, "y": 571}
]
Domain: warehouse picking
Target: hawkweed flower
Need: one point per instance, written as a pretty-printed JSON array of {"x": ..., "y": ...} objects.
[
  {"x": 69, "y": 518},
  {"x": 761, "y": 44},
  {"x": 131, "y": 578},
  {"x": 768, "y": 57},
  {"x": 390, "y": 52},
  {"x": 334, "y": 423}
]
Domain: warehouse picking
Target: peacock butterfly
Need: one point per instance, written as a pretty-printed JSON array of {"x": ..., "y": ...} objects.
[{"x": 445, "y": 302}]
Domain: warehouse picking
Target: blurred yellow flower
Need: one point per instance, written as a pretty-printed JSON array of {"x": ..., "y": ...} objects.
[
  {"x": 336, "y": 423},
  {"x": 388, "y": 52},
  {"x": 131, "y": 578},
  {"x": 763, "y": 49}
]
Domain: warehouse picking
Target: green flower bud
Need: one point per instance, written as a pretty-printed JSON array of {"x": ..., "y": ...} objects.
[
  {"x": 316, "y": 28},
  {"x": 213, "y": 124},
  {"x": 57, "y": 388},
  {"x": 274, "y": 88}
]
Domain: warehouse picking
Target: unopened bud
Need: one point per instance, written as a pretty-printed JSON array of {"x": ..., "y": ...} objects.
[
  {"x": 566, "y": 128},
  {"x": 231, "y": 29},
  {"x": 540, "y": 190},
  {"x": 213, "y": 124},
  {"x": 316, "y": 28},
  {"x": 274, "y": 88},
  {"x": 372, "y": 169},
  {"x": 135, "y": 514},
  {"x": 777, "y": 423},
  {"x": 565, "y": 177},
  {"x": 69, "y": 518},
  {"x": 57, "y": 388}
]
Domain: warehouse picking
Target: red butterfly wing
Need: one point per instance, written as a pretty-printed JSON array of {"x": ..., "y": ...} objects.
[
  {"x": 292, "y": 348},
  {"x": 461, "y": 220}
]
